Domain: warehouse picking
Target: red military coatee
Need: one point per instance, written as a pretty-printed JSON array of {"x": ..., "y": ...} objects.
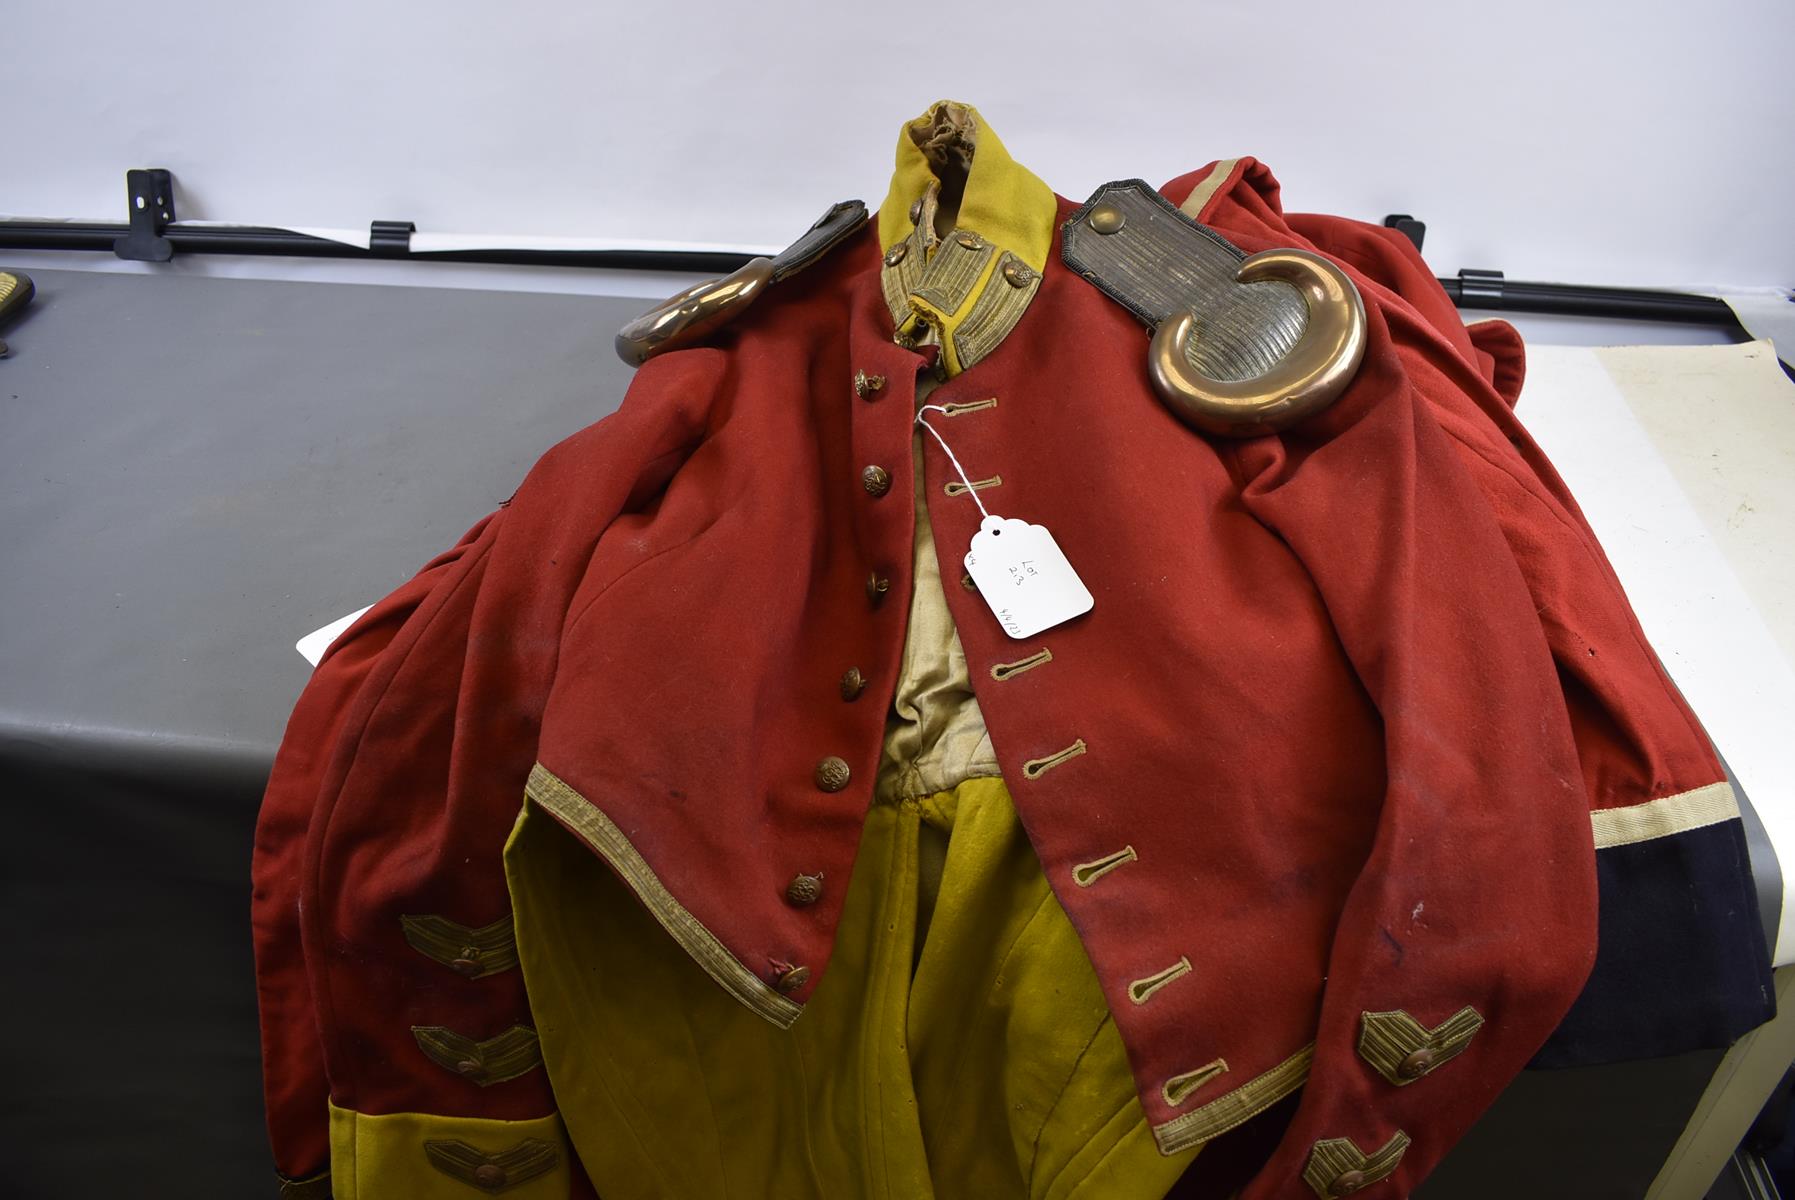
[{"x": 1316, "y": 697}]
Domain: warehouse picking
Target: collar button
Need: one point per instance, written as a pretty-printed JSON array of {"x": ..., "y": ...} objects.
[{"x": 1018, "y": 274}]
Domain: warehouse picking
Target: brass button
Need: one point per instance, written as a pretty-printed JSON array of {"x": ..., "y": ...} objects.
[
  {"x": 971, "y": 241},
  {"x": 916, "y": 210},
  {"x": 1348, "y": 1183},
  {"x": 1018, "y": 274},
  {"x": 490, "y": 1176},
  {"x": 793, "y": 979},
  {"x": 876, "y": 480},
  {"x": 967, "y": 583},
  {"x": 804, "y": 890},
  {"x": 1105, "y": 218},
  {"x": 852, "y": 683},
  {"x": 867, "y": 386},
  {"x": 895, "y": 255},
  {"x": 877, "y": 586},
  {"x": 832, "y": 774},
  {"x": 468, "y": 1067},
  {"x": 1416, "y": 1064},
  {"x": 465, "y": 966}
]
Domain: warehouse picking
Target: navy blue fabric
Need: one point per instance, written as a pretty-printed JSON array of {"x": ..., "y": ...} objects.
[{"x": 1681, "y": 963}]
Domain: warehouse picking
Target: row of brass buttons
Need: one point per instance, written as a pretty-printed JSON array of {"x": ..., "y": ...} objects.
[{"x": 832, "y": 773}]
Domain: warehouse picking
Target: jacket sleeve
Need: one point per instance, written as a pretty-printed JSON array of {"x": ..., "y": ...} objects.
[
  {"x": 1683, "y": 962},
  {"x": 401, "y": 1056},
  {"x": 294, "y": 1084},
  {"x": 1471, "y": 926}
]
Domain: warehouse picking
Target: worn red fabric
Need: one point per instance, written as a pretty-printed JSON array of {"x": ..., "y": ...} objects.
[
  {"x": 1637, "y": 738},
  {"x": 1322, "y": 693}
]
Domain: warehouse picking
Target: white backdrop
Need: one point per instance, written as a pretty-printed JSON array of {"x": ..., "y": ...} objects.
[{"x": 1620, "y": 142}]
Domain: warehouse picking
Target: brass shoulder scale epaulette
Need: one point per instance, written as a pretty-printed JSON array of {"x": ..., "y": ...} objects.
[
  {"x": 1243, "y": 344},
  {"x": 687, "y": 317}
]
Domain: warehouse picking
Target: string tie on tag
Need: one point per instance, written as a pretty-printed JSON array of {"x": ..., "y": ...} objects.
[
  {"x": 958, "y": 469},
  {"x": 1018, "y": 569}
]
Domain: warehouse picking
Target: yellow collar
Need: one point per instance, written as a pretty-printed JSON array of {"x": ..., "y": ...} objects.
[{"x": 968, "y": 289}]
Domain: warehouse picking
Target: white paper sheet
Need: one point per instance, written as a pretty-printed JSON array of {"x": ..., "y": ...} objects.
[
  {"x": 313, "y": 645},
  {"x": 1683, "y": 459},
  {"x": 1766, "y": 313}
]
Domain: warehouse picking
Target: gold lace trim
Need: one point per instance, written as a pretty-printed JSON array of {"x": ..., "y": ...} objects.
[
  {"x": 995, "y": 312},
  {"x": 1086, "y": 873},
  {"x": 601, "y": 833},
  {"x": 505, "y": 1169},
  {"x": 1240, "y": 1105},
  {"x": 500, "y": 1057},
  {"x": 489, "y": 949},
  {"x": 1387, "y": 1038},
  {"x": 1334, "y": 1157},
  {"x": 1178, "y": 1088}
]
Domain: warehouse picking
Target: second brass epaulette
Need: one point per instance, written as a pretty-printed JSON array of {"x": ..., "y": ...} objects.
[
  {"x": 687, "y": 317},
  {"x": 1234, "y": 352}
]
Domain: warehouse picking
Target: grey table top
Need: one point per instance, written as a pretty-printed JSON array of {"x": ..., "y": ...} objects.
[{"x": 196, "y": 472}]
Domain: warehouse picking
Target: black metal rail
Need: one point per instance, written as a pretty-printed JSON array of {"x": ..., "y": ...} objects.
[
  {"x": 101, "y": 236},
  {"x": 1469, "y": 289},
  {"x": 1489, "y": 289}
]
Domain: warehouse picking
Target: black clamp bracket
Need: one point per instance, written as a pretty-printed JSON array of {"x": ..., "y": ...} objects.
[
  {"x": 151, "y": 192},
  {"x": 1480, "y": 289},
  {"x": 391, "y": 238},
  {"x": 1408, "y": 226}
]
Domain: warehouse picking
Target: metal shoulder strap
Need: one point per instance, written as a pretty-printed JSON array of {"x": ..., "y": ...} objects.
[
  {"x": 1243, "y": 344},
  {"x": 686, "y": 318}
]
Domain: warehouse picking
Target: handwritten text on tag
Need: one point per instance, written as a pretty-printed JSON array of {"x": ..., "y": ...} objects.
[{"x": 1024, "y": 577}]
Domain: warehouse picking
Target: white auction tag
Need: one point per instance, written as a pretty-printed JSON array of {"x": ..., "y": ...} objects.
[{"x": 1024, "y": 576}]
